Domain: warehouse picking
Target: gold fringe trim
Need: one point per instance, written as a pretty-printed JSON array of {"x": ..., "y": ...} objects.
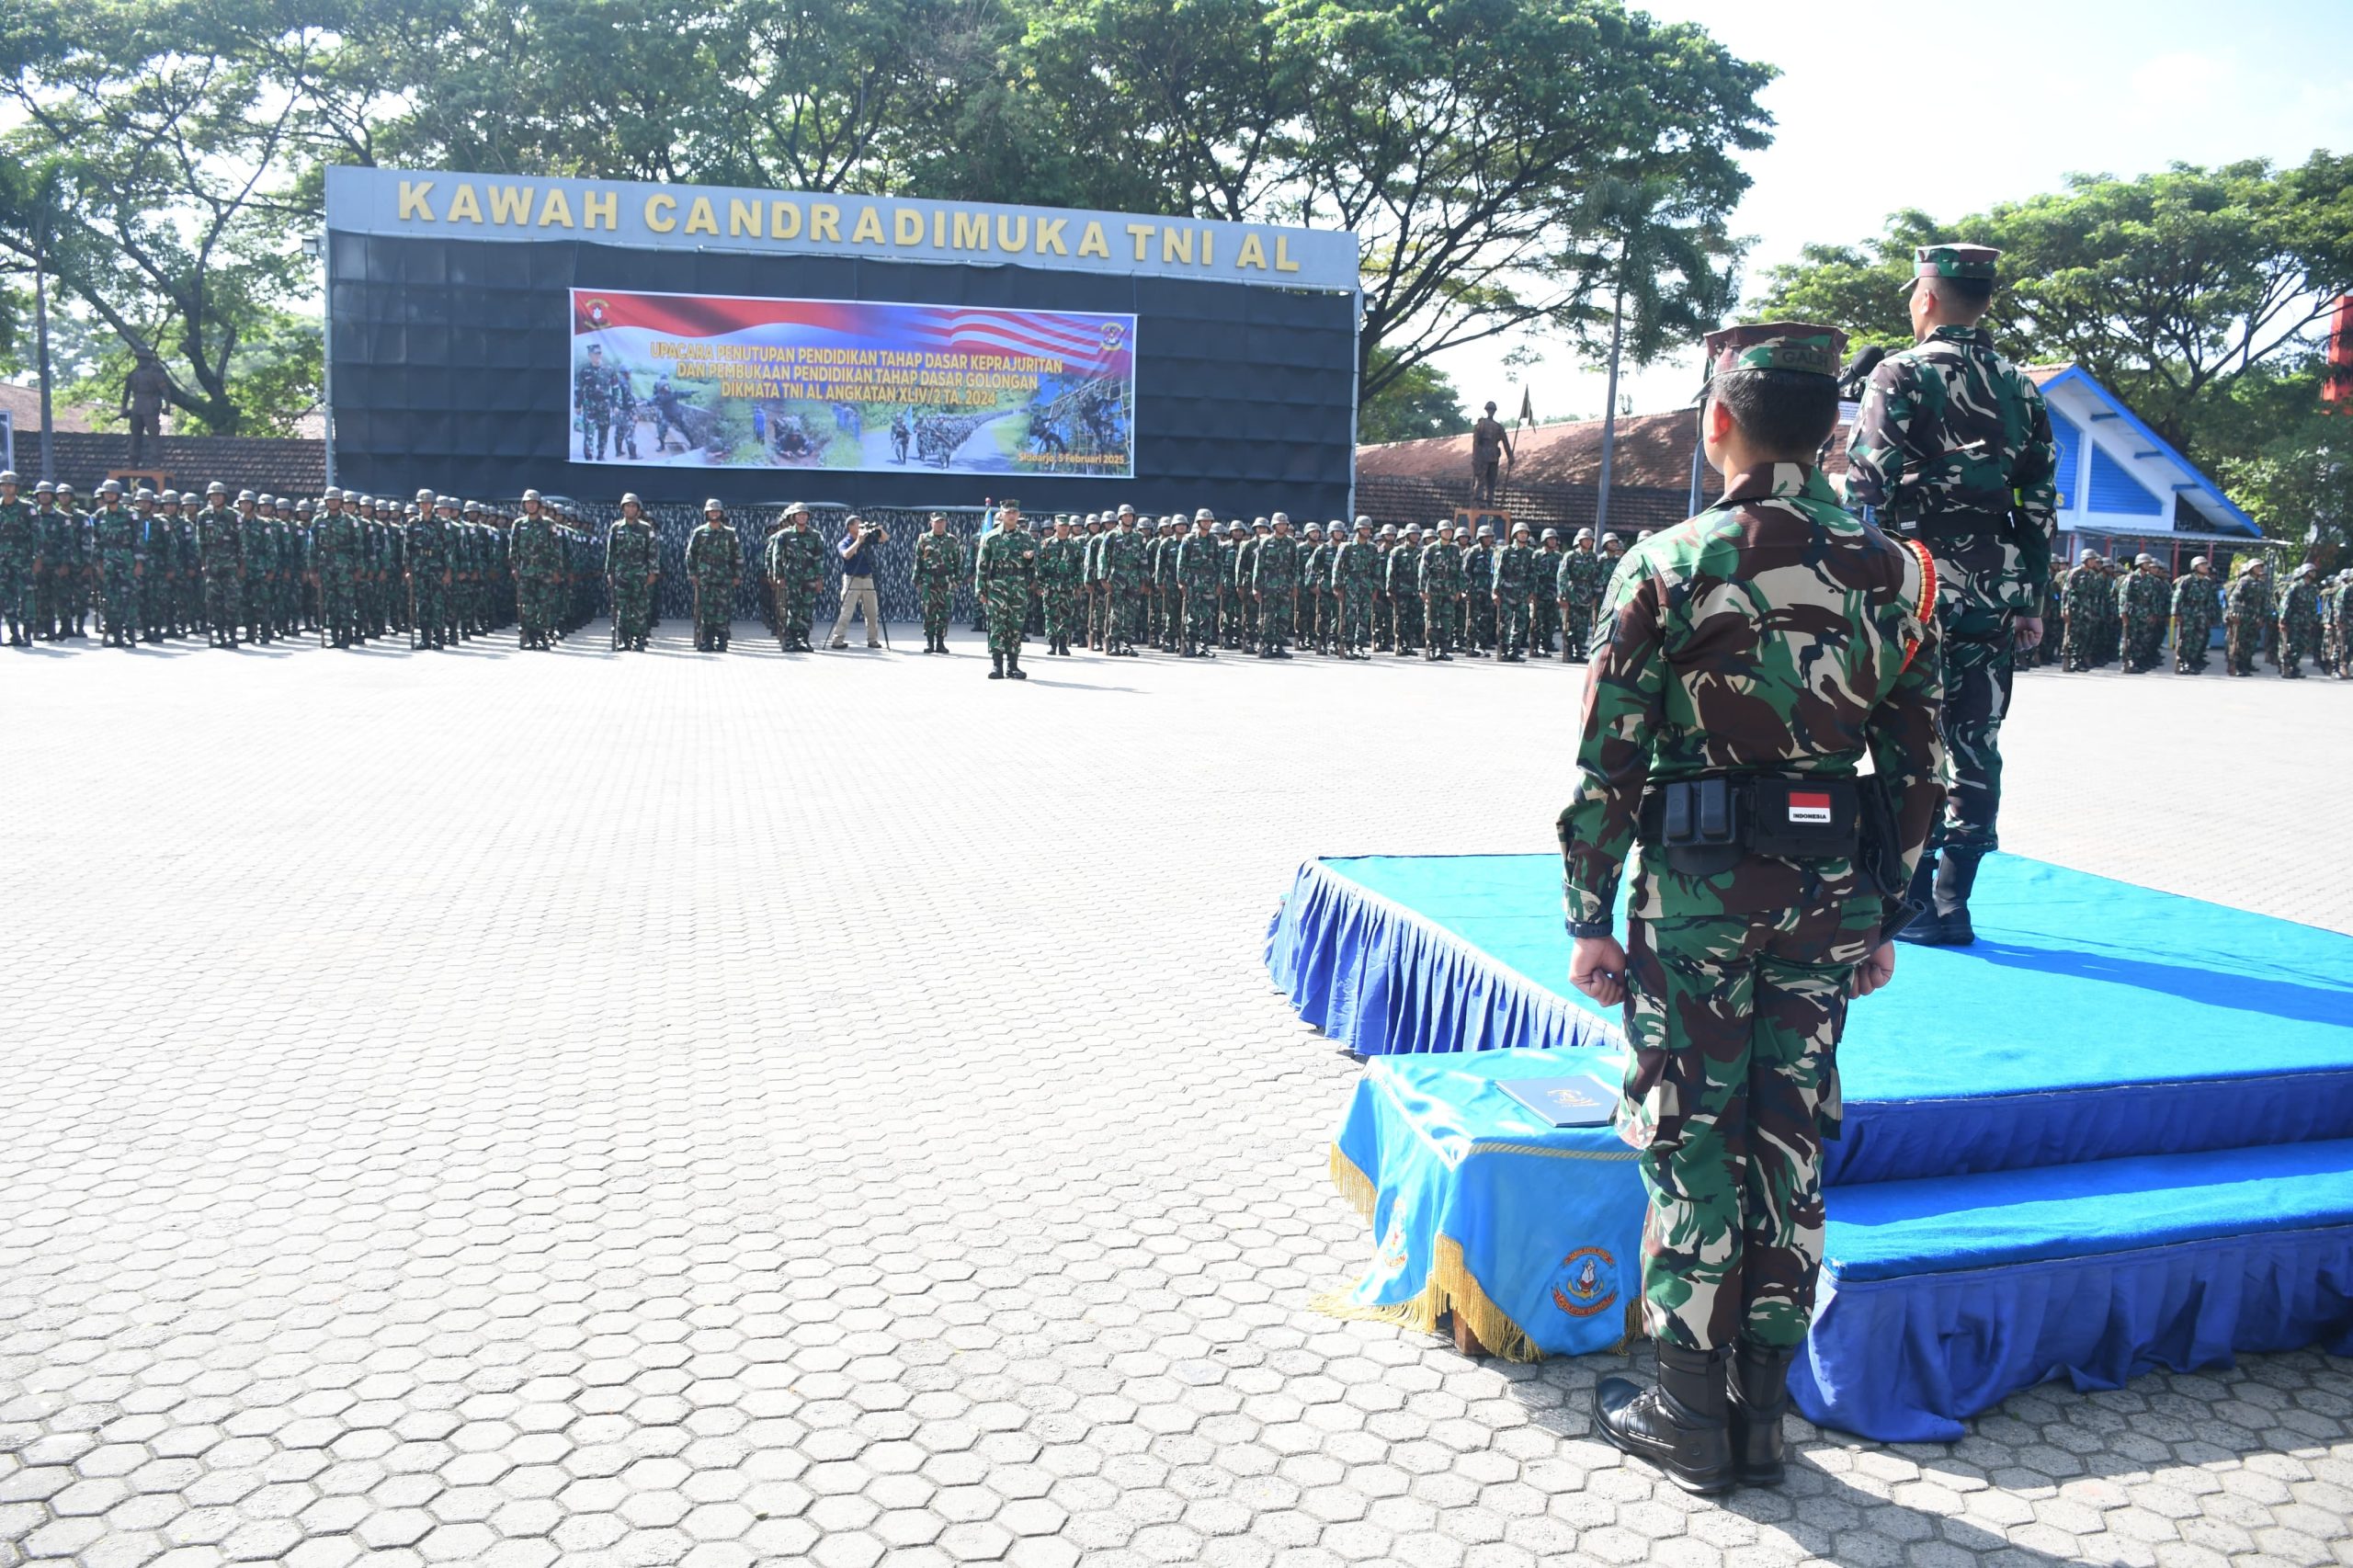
[
  {"x": 1451, "y": 1286},
  {"x": 1353, "y": 1185}
]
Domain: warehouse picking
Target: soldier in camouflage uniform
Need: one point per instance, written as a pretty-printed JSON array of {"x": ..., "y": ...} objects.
[
  {"x": 2086, "y": 584},
  {"x": 1167, "y": 589},
  {"x": 17, "y": 550},
  {"x": 2298, "y": 620},
  {"x": 593, "y": 390},
  {"x": 1953, "y": 446},
  {"x": 1479, "y": 592},
  {"x": 1577, "y": 584},
  {"x": 1356, "y": 573},
  {"x": 939, "y": 561},
  {"x": 2194, "y": 609},
  {"x": 1125, "y": 566},
  {"x": 336, "y": 560},
  {"x": 1765, "y": 647},
  {"x": 632, "y": 561},
  {"x": 1515, "y": 582},
  {"x": 1008, "y": 572},
  {"x": 221, "y": 557},
  {"x": 2147, "y": 601},
  {"x": 1200, "y": 556},
  {"x": 798, "y": 560},
  {"x": 715, "y": 562},
  {"x": 116, "y": 542},
  {"x": 1547, "y": 607},
  {"x": 1439, "y": 581},
  {"x": 1401, "y": 581},
  {"x": 1063, "y": 562},
  {"x": 1277, "y": 568},
  {"x": 2341, "y": 599},
  {"x": 536, "y": 549},
  {"x": 2246, "y": 611},
  {"x": 1384, "y": 603}
]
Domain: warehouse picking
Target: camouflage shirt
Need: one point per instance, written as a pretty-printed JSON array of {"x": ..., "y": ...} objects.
[
  {"x": 939, "y": 561},
  {"x": 1580, "y": 575},
  {"x": 1767, "y": 634},
  {"x": 1953, "y": 434}
]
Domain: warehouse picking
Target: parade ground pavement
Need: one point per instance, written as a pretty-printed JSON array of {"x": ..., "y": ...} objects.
[{"x": 498, "y": 1109}]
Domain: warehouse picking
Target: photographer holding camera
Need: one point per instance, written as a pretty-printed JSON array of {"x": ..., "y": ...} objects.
[{"x": 859, "y": 552}]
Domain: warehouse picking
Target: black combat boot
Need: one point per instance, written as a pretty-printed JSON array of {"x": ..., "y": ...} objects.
[
  {"x": 996, "y": 664},
  {"x": 1013, "y": 670},
  {"x": 1681, "y": 1425},
  {"x": 1759, "y": 1378},
  {"x": 1924, "y": 929},
  {"x": 1955, "y": 878}
]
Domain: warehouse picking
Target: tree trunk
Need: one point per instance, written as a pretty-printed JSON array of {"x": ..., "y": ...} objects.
[{"x": 1610, "y": 411}]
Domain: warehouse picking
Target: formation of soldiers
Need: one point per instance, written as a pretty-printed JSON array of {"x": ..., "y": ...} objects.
[
  {"x": 2116, "y": 613},
  {"x": 1116, "y": 583},
  {"x": 258, "y": 568}
]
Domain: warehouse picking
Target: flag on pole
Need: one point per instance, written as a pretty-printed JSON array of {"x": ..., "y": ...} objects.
[{"x": 1527, "y": 407}]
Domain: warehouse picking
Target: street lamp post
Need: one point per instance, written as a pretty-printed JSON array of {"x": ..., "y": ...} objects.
[{"x": 317, "y": 249}]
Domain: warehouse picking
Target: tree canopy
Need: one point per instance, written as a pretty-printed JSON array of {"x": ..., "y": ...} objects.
[
  {"x": 2168, "y": 287},
  {"x": 166, "y": 155}
]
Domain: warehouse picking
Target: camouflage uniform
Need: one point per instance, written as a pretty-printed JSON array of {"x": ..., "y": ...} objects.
[
  {"x": 1439, "y": 580},
  {"x": 1008, "y": 571},
  {"x": 939, "y": 561},
  {"x": 427, "y": 541},
  {"x": 221, "y": 557},
  {"x": 1514, "y": 580},
  {"x": 632, "y": 556},
  {"x": 1479, "y": 592},
  {"x": 1541, "y": 584},
  {"x": 2086, "y": 586},
  {"x": 2298, "y": 620},
  {"x": 1384, "y": 602},
  {"x": 1063, "y": 562},
  {"x": 1953, "y": 446},
  {"x": 1772, "y": 637},
  {"x": 1401, "y": 581},
  {"x": 798, "y": 563},
  {"x": 17, "y": 548},
  {"x": 1355, "y": 573},
  {"x": 1276, "y": 565},
  {"x": 2146, "y": 601},
  {"x": 1125, "y": 566},
  {"x": 1169, "y": 588},
  {"x": 1200, "y": 561},
  {"x": 715, "y": 562},
  {"x": 2246, "y": 611},
  {"x": 1578, "y": 583},
  {"x": 592, "y": 391},
  {"x": 2342, "y": 600},
  {"x": 2194, "y": 609}
]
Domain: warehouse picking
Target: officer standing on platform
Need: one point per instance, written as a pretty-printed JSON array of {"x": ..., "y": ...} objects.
[
  {"x": 1746, "y": 662},
  {"x": 1952, "y": 445}
]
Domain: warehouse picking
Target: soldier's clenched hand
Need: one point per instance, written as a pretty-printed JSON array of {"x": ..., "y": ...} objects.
[{"x": 1597, "y": 967}]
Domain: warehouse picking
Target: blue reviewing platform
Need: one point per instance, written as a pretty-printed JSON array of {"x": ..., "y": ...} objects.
[{"x": 2116, "y": 1133}]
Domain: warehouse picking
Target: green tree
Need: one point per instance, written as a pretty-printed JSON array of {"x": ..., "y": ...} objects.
[
  {"x": 2167, "y": 288},
  {"x": 1419, "y": 403}
]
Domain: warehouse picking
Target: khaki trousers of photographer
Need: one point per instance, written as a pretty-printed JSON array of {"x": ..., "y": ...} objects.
[{"x": 858, "y": 594}]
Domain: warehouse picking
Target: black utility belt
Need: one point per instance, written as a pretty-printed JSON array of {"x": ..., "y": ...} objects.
[
  {"x": 1959, "y": 523},
  {"x": 1722, "y": 816}
]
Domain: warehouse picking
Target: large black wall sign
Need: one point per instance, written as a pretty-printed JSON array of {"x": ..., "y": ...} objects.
[{"x": 450, "y": 362}]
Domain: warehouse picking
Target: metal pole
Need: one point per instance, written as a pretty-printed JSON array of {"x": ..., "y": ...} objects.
[
  {"x": 326, "y": 353},
  {"x": 41, "y": 333},
  {"x": 1609, "y": 411},
  {"x": 1698, "y": 467}
]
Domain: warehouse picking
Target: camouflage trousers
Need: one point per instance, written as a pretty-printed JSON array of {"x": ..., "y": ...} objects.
[
  {"x": 633, "y": 602},
  {"x": 1007, "y": 608},
  {"x": 16, "y": 591},
  {"x": 1356, "y": 620},
  {"x": 1384, "y": 619},
  {"x": 714, "y": 606},
  {"x": 1576, "y": 628},
  {"x": 1200, "y": 616},
  {"x": 1547, "y": 613},
  {"x": 1733, "y": 1083},
  {"x": 1511, "y": 624},
  {"x": 338, "y": 605},
  {"x": 1275, "y": 615},
  {"x": 939, "y": 602},
  {"x": 1409, "y": 623},
  {"x": 1978, "y": 671},
  {"x": 1061, "y": 611},
  {"x": 2189, "y": 641},
  {"x": 2145, "y": 642},
  {"x": 1123, "y": 609},
  {"x": 2241, "y": 642},
  {"x": 220, "y": 602}
]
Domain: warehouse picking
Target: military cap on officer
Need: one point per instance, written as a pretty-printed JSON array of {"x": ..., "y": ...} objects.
[
  {"x": 1950, "y": 259},
  {"x": 1804, "y": 346}
]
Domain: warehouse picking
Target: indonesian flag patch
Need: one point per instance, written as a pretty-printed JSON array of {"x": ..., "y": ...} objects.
[{"x": 1808, "y": 806}]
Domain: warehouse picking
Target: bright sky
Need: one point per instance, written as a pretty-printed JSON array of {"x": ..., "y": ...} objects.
[{"x": 1968, "y": 105}]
